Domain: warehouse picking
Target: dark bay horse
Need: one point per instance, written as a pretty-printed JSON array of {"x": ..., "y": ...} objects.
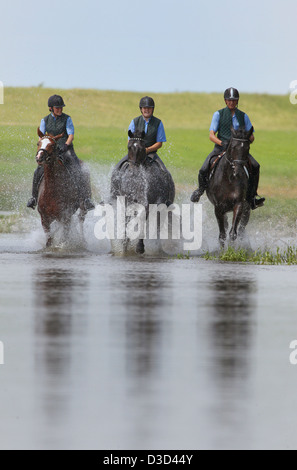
[
  {"x": 228, "y": 187},
  {"x": 141, "y": 179},
  {"x": 59, "y": 195}
]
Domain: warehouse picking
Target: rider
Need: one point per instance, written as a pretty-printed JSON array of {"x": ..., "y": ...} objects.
[
  {"x": 153, "y": 128},
  {"x": 54, "y": 124},
  {"x": 221, "y": 124}
]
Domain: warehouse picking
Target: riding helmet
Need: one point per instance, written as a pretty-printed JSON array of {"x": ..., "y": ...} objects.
[
  {"x": 146, "y": 102},
  {"x": 56, "y": 100},
  {"x": 231, "y": 94}
]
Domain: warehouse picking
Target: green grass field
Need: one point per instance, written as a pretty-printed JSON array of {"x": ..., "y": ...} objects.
[{"x": 101, "y": 120}]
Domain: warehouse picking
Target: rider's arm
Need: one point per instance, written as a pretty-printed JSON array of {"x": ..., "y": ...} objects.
[
  {"x": 154, "y": 148},
  {"x": 161, "y": 137},
  {"x": 214, "y": 126},
  {"x": 131, "y": 127},
  {"x": 70, "y": 131},
  {"x": 214, "y": 139},
  {"x": 248, "y": 126},
  {"x": 70, "y": 139},
  {"x": 42, "y": 127}
]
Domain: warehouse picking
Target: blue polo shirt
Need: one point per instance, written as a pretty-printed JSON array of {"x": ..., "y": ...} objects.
[
  {"x": 161, "y": 137},
  {"x": 69, "y": 125},
  {"x": 214, "y": 126}
]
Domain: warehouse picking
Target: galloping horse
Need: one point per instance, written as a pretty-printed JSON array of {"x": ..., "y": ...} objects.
[
  {"x": 141, "y": 179},
  {"x": 59, "y": 194},
  {"x": 228, "y": 186}
]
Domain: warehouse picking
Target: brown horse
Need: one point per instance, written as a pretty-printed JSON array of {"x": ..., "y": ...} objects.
[
  {"x": 228, "y": 187},
  {"x": 59, "y": 194}
]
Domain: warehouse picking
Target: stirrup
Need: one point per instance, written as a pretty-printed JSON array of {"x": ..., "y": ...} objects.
[
  {"x": 32, "y": 203},
  {"x": 255, "y": 203}
]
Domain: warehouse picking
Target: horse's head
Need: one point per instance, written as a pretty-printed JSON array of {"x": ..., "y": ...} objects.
[
  {"x": 46, "y": 147},
  {"x": 136, "y": 148},
  {"x": 239, "y": 149},
  {"x": 240, "y": 142}
]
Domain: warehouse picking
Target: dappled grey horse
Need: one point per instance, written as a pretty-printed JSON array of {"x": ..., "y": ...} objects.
[{"x": 141, "y": 179}]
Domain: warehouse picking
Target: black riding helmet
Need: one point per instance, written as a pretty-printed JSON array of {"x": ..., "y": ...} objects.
[
  {"x": 57, "y": 101},
  {"x": 231, "y": 94},
  {"x": 146, "y": 102}
]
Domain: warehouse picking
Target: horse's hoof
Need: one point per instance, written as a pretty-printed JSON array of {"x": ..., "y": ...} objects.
[{"x": 49, "y": 243}]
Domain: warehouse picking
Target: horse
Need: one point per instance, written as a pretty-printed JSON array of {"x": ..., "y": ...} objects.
[
  {"x": 141, "y": 179},
  {"x": 229, "y": 184},
  {"x": 58, "y": 194}
]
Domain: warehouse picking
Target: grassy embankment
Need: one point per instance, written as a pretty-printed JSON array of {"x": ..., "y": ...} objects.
[{"x": 101, "y": 120}]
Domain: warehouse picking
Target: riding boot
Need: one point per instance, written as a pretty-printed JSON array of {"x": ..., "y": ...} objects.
[
  {"x": 203, "y": 184},
  {"x": 252, "y": 192},
  {"x": 37, "y": 178},
  {"x": 86, "y": 192}
]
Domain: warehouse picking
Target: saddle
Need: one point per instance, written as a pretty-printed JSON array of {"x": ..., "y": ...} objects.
[
  {"x": 154, "y": 158},
  {"x": 214, "y": 163},
  {"x": 150, "y": 159}
]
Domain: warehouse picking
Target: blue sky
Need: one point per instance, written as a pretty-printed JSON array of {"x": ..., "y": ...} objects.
[{"x": 150, "y": 46}]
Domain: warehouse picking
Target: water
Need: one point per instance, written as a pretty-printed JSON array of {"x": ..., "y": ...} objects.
[{"x": 109, "y": 352}]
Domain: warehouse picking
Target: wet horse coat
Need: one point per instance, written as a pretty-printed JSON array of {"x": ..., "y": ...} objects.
[
  {"x": 141, "y": 180},
  {"x": 59, "y": 194},
  {"x": 228, "y": 187}
]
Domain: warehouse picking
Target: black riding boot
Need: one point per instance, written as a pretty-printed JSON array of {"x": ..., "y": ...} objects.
[
  {"x": 82, "y": 182},
  {"x": 252, "y": 192},
  {"x": 80, "y": 177},
  {"x": 38, "y": 175},
  {"x": 203, "y": 184}
]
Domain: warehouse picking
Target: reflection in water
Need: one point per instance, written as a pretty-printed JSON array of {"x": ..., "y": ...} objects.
[
  {"x": 231, "y": 342},
  {"x": 232, "y": 308},
  {"x": 59, "y": 306},
  {"x": 144, "y": 300}
]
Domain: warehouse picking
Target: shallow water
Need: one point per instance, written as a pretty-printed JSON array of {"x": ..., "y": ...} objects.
[{"x": 108, "y": 352}]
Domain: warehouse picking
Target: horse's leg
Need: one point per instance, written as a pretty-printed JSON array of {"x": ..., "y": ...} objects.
[
  {"x": 81, "y": 218},
  {"x": 140, "y": 244},
  {"x": 46, "y": 227},
  {"x": 237, "y": 214},
  {"x": 140, "y": 247},
  {"x": 244, "y": 220},
  {"x": 222, "y": 222}
]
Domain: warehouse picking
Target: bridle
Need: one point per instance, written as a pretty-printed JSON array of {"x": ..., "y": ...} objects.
[
  {"x": 45, "y": 155},
  {"x": 138, "y": 139},
  {"x": 232, "y": 163}
]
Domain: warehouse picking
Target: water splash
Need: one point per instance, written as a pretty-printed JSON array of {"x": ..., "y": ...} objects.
[{"x": 262, "y": 233}]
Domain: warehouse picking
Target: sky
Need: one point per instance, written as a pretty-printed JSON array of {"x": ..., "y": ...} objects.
[{"x": 150, "y": 46}]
